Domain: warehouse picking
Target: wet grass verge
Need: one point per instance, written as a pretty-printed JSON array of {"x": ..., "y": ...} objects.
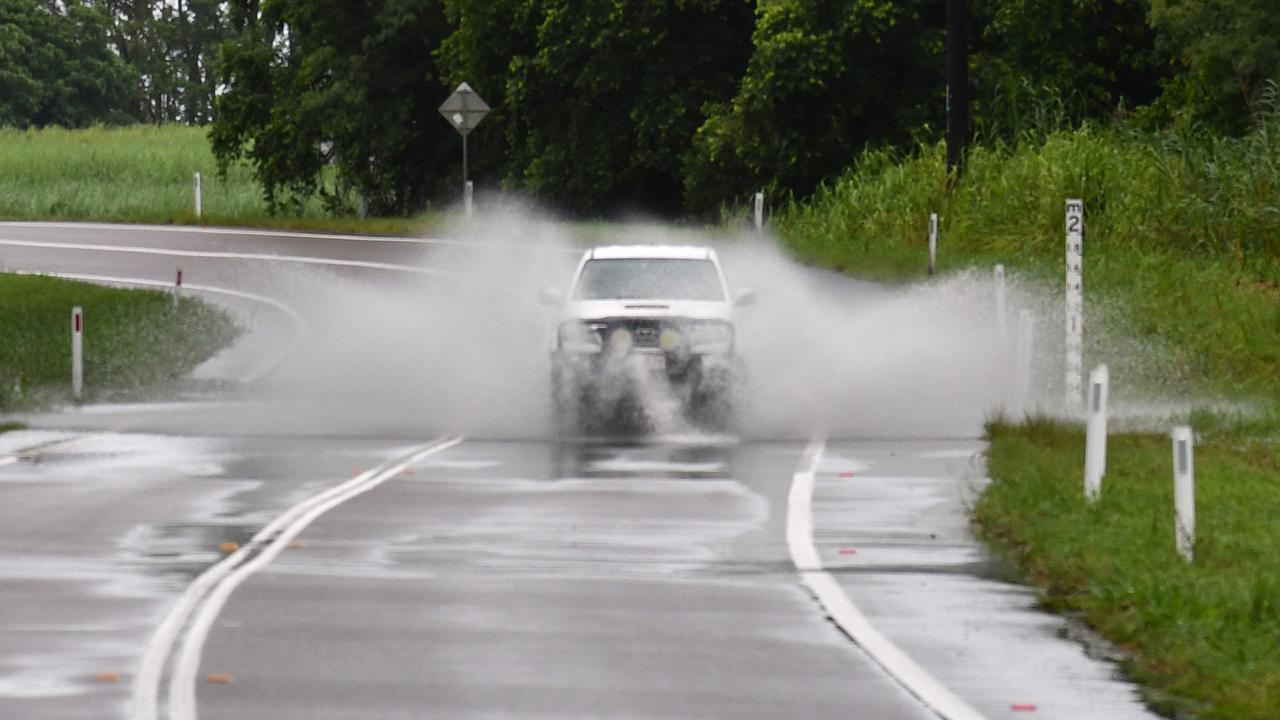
[
  {"x": 1201, "y": 637},
  {"x": 133, "y": 339}
]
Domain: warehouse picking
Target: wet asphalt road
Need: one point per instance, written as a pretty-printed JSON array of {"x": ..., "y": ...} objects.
[{"x": 497, "y": 578}]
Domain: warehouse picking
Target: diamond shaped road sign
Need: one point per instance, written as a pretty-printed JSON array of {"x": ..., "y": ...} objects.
[{"x": 464, "y": 109}]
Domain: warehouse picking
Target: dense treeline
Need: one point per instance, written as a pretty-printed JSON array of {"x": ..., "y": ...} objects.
[{"x": 609, "y": 105}]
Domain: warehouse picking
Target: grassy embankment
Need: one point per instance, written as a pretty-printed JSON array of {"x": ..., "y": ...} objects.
[
  {"x": 144, "y": 174},
  {"x": 133, "y": 339},
  {"x": 1182, "y": 252}
]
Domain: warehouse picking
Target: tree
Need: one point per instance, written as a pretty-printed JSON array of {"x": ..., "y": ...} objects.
[
  {"x": 56, "y": 68},
  {"x": 311, "y": 83},
  {"x": 1227, "y": 50},
  {"x": 598, "y": 101},
  {"x": 826, "y": 78},
  {"x": 1083, "y": 57}
]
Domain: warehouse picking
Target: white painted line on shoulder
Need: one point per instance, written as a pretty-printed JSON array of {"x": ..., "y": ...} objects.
[
  {"x": 203, "y": 599},
  {"x": 229, "y": 255},
  {"x": 246, "y": 232},
  {"x": 844, "y": 613}
]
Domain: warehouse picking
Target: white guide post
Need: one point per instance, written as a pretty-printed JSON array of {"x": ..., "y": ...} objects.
[
  {"x": 1095, "y": 443},
  {"x": 1184, "y": 491},
  {"x": 1075, "y": 302},
  {"x": 759, "y": 212},
  {"x": 77, "y": 351},
  {"x": 199, "y": 199},
  {"x": 468, "y": 202},
  {"x": 933, "y": 242},
  {"x": 1023, "y": 360},
  {"x": 1001, "y": 304}
]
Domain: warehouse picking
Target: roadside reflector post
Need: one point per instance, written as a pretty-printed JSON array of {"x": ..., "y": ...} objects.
[
  {"x": 759, "y": 213},
  {"x": 933, "y": 243},
  {"x": 1023, "y": 361},
  {"x": 364, "y": 206},
  {"x": 177, "y": 288},
  {"x": 1001, "y": 303},
  {"x": 468, "y": 199},
  {"x": 1075, "y": 302},
  {"x": 77, "y": 352},
  {"x": 199, "y": 199},
  {"x": 1095, "y": 443},
  {"x": 1184, "y": 491}
]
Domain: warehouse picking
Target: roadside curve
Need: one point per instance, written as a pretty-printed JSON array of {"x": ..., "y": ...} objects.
[{"x": 840, "y": 608}]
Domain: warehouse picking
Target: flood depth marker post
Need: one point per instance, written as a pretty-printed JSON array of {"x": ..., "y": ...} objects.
[
  {"x": 1095, "y": 442},
  {"x": 933, "y": 243},
  {"x": 1075, "y": 302},
  {"x": 1184, "y": 491},
  {"x": 77, "y": 351}
]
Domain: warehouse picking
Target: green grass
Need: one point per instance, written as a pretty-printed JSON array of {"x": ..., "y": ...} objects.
[
  {"x": 1182, "y": 261},
  {"x": 1203, "y": 637},
  {"x": 144, "y": 173},
  {"x": 133, "y": 339},
  {"x": 8, "y": 426}
]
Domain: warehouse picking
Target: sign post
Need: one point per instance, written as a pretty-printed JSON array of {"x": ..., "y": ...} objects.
[
  {"x": 464, "y": 110},
  {"x": 1075, "y": 302}
]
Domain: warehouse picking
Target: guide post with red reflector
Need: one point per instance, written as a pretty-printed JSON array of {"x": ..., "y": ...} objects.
[
  {"x": 1184, "y": 491},
  {"x": 1095, "y": 453},
  {"x": 77, "y": 351}
]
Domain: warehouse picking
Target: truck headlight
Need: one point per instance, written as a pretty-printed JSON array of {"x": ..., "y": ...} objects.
[
  {"x": 578, "y": 337},
  {"x": 710, "y": 337}
]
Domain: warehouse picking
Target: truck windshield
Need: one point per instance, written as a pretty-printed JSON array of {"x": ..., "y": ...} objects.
[{"x": 649, "y": 278}]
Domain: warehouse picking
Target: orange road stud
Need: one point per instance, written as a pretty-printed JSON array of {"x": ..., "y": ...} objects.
[
  {"x": 1023, "y": 707},
  {"x": 219, "y": 678},
  {"x": 407, "y": 471},
  {"x": 107, "y": 677},
  {"x": 229, "y": 546},
  {"x": 295, "y": 545}
]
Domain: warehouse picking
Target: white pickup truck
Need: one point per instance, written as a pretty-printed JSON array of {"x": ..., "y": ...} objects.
[{"x": 640, "y": 319}]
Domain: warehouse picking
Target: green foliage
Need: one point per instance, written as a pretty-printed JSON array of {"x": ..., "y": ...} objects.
[
  {"x": 57, "y": 174},
  {"x": 1082, "y": 59},
  {"x": 1201, "y": 637},
  {"x": 132, "y": 339},
  {"x": 1183, "y": 231},
  {"x": 597, "y": 102},
  {"x": 56, "y": 68},
  {"x": 825, "y": 79},
  {"x": 318, "y": 82},
  {"x": 1228, "y": 51}
]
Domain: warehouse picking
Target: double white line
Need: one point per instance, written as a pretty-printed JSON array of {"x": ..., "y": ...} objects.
[{"x": 198, "y": 606}]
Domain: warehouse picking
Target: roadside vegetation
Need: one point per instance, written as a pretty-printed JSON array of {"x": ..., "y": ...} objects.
[
  {"x": 1182, "y": 260},
  {"x": 133, "y": 339},
  {"x": 144, "y": 174}
]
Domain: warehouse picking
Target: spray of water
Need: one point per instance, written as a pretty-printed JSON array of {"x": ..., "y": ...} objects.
[{"x": 466, "y": 347}]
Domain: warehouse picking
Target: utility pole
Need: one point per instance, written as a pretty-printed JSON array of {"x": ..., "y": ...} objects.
[{"x": 957, "y": 85}]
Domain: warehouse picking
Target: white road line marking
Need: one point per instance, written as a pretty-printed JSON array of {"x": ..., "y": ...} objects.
[
  {"x": 229, "y": 255},
  {"x": 215, "y": 584},
  {"x": 804, "y": 555},
  {"x": 247, "y": 232},
  {"x": 302, "y": 327}
]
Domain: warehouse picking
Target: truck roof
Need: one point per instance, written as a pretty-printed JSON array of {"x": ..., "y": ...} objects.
[{"x": 682, "y": 252}]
